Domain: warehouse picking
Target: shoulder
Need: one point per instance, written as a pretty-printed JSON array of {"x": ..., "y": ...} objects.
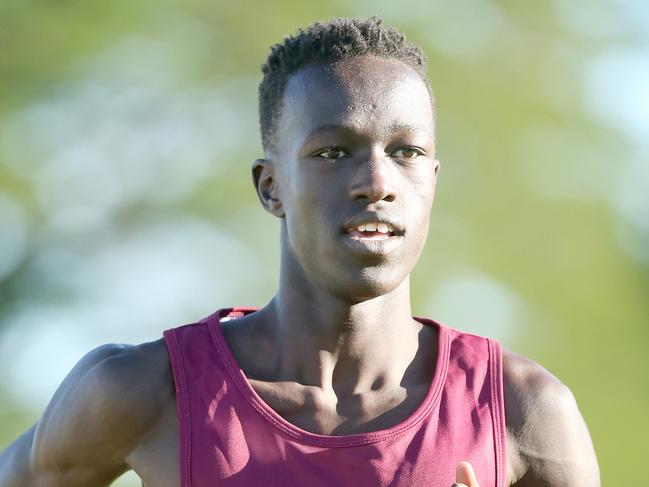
[
  {"x": 131, "y": 370},
  {"x": 122, "y": 381},
  {"x": 548, "y": 441},
  {"x": 106, "y": 404}
]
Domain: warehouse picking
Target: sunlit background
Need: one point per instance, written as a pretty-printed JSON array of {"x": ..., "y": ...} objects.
[{"x": 127, "y": 130}]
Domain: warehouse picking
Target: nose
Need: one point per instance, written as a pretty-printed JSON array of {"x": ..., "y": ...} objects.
[{"x": 373, "y": 180}]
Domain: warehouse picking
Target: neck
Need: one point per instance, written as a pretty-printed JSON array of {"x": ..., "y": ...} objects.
[{"x": 350, "y": 347}]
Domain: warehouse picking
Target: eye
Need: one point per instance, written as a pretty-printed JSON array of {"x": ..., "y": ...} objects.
[
  {"x": 408, "y": 152},
  {"x": 331, "y": 153}
]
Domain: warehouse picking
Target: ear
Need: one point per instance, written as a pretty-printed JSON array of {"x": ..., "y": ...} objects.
[
  {"x": 266, "y": 187},
  {"x": 436, "y": 167}
]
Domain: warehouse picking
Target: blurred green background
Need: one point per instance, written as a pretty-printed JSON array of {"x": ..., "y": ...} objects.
[{"x": 127, "y": 130}]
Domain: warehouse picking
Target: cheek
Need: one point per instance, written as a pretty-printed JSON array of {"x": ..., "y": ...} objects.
[
  {"x": 422, "y": 191},
  {"x": 419, "y": 205},
  {"x": 311, "y": 192},
  {"x": 305, "y": 204}
]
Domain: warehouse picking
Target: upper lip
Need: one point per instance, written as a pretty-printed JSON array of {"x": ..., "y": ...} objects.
[{"x": 370, "y": 217}]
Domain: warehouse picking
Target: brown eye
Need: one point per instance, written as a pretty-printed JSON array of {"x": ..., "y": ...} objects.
[
  {"x": 408, "y": 153},
  {"x": 331, "y": 153}
]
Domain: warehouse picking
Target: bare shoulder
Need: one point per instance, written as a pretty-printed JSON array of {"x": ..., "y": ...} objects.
[
  {"x": 121, "y": 385},
  {"x": 129, "y": 379},
  {"x": 548, "y": 443},
  {"x": 103, "y": 409}
]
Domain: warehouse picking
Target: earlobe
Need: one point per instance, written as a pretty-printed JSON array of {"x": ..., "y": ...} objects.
[{"x": 266, "y": 187}]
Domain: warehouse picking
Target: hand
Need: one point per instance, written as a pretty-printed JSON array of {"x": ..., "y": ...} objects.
[{"x": 464, "y": 476}]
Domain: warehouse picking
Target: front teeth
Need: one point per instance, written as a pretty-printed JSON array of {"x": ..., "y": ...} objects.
[{"x": 376, "y": 227}]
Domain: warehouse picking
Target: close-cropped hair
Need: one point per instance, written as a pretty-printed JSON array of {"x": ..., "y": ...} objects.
[{"x": 324, "y": 43}]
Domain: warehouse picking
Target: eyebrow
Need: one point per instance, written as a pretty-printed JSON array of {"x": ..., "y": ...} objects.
[{"x": 350, "y": 129}]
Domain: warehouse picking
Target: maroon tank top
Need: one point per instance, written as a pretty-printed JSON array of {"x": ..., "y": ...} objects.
[{"x": 229, "y": 436}]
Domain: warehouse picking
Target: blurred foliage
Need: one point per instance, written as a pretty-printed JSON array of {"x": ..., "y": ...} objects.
[{"x": 526, "y": 199}]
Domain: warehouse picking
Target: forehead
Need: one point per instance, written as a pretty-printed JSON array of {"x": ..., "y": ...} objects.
[{"x": 368, "y": 94}]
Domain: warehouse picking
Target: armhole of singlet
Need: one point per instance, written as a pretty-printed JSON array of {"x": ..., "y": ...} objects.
[
  {"x": 182, "y": 408},
  {"x": 498, "y": 409}
]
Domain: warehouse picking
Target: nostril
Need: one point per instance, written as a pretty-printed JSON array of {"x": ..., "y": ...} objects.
[{"x": 374, "y": 196}]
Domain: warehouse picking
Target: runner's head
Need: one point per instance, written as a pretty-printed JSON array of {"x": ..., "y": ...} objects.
[{"x": 350, "y": 169}]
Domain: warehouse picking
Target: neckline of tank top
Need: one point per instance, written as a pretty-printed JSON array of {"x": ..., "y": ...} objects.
[{"x": 307, "y": 437}]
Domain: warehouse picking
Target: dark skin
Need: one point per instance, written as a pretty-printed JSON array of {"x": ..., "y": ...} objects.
[{"x": 355, "y": 144}]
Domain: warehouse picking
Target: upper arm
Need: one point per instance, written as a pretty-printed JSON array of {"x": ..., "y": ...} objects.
[
  {"x": 548, "y": 442},
  {"x": 95, "y": 418}
]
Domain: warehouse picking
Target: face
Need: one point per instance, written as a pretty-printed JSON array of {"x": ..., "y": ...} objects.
[{"x": 353, "y": 176}]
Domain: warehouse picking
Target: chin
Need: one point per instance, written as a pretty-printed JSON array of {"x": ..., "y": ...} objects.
[{"x": 365, "y": 284}]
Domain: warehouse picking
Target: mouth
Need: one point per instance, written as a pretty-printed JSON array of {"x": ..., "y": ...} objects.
[
  {"x": 373, "y": 237},
  {"x": 371, "y": 231}
]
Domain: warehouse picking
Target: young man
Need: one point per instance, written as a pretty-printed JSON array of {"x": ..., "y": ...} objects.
[{"x": 333, "y": 382}]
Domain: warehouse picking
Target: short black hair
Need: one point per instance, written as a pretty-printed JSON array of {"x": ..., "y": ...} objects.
[{"x": 328, "y": 42}]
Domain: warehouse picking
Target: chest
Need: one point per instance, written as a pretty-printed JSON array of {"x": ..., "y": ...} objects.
[
  {"x": 156, "y": 458},
  {"x": 326, "y": 414}
]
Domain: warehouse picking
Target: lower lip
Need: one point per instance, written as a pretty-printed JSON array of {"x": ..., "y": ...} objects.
[{"x": 377, "y": 246}]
